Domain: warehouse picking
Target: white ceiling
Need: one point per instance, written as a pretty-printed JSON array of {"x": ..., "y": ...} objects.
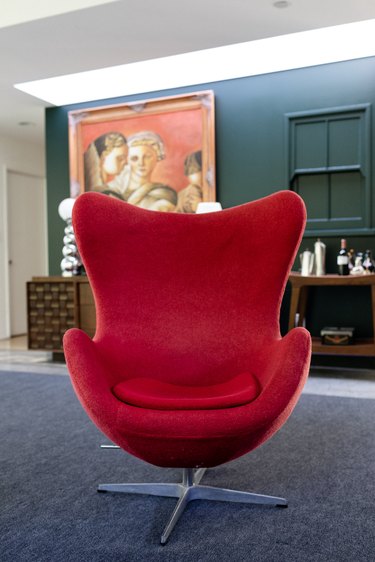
[{"x": 118, "y": 32}]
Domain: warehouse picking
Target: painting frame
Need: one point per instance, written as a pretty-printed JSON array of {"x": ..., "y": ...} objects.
[{"x": 184, "y": 124}]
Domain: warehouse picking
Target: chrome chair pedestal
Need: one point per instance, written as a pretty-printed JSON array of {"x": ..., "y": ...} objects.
[{"x": 189, "y": 490}]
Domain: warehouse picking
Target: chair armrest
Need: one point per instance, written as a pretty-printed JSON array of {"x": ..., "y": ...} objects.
[
  {"x": 282, "y": 369},
  {"x": 293, "y": 351},
  {"x": 91, "y": 378}
]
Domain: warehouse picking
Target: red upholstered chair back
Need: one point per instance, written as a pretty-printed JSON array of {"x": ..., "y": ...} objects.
[{"x": 183, "y": 296}]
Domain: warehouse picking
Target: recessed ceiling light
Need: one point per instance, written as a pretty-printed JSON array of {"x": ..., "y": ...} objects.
[{"x": 281, "y": 4}]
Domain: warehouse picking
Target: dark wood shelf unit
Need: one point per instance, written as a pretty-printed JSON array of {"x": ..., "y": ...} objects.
[{"x": 298, "y": 304}]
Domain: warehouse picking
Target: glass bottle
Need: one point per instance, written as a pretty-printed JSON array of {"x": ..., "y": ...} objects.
[{"x": 343, "y": 259}]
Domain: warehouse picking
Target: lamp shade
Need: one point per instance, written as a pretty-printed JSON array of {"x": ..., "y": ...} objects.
[
  {"x": 208, "y": 207},
  {"x": 65, "y": 208}
]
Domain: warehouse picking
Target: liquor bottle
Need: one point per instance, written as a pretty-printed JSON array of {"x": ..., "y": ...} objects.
[{"x": 343, "y": 259}]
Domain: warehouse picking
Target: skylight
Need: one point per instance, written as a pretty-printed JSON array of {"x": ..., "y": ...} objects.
[{"x": 285, "y": 52}]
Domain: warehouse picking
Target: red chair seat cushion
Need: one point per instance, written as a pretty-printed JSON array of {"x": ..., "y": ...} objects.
[{"x": 159, "y": 395}]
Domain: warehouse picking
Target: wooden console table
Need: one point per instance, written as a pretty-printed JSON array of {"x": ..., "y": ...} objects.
[
  {"x": 299, "y": 297},
  {"x": 55, "y": 304}
]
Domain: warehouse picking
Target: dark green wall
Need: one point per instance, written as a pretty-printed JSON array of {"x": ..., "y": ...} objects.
[{"x": 250, "y": 148}]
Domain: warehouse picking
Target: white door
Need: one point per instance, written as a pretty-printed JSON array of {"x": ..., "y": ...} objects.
[{"x": 27, "y": 241}]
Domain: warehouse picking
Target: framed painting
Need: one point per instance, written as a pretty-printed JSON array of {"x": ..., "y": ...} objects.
[{"x": 157, "y": 154}]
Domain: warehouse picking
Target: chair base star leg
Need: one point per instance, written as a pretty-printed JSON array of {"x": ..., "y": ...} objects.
[{"x": 190, "y": 490}]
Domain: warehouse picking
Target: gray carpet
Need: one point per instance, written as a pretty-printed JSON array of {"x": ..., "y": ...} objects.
[{"x": 323, "y": 461}]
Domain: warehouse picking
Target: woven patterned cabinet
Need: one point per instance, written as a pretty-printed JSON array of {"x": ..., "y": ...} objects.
[{"x": 55, "y": 304}]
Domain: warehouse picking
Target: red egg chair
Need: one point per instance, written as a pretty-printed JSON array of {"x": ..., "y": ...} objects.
[{"x": 187, "y": 367}]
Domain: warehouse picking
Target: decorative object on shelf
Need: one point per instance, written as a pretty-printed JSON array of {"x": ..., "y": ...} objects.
[
  {"x": 337, "y": 336},
  {"x": 358, "y": 269},
  {"x": 368, "y": 262},
  {"x": 71, "y": 263},
  {"x": 208, "y": 207},
  {"x": 351, "y": 255},
  {"x": 307, "y": 262},
  {"x": 319, "y": 257}
]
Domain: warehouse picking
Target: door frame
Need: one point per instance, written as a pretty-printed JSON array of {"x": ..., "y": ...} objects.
[{"x": 5, "y": 312}]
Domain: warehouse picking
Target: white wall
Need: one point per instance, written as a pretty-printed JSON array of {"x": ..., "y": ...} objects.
[{"x": 26, "y": 158}]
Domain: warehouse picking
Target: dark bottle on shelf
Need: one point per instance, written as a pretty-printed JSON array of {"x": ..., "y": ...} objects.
[{"x": 343, "y": 259}]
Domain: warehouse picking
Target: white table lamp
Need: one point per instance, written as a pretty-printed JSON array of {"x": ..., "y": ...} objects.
[
  {"x": 208, "y": 207},
  {"x": 65, "y": 209},
  {"x": 71, "y": 263}
]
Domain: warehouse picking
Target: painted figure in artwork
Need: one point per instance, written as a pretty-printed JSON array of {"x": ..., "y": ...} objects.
[
  {"x": 135, "y": 183},
  {"x": 123, "y": 167},
  {"x": 191, "y": 195},
  {"x": 105, "y": 158}
]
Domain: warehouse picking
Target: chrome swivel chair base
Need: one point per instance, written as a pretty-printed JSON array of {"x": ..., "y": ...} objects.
[{"x": 189, "y": 490}]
